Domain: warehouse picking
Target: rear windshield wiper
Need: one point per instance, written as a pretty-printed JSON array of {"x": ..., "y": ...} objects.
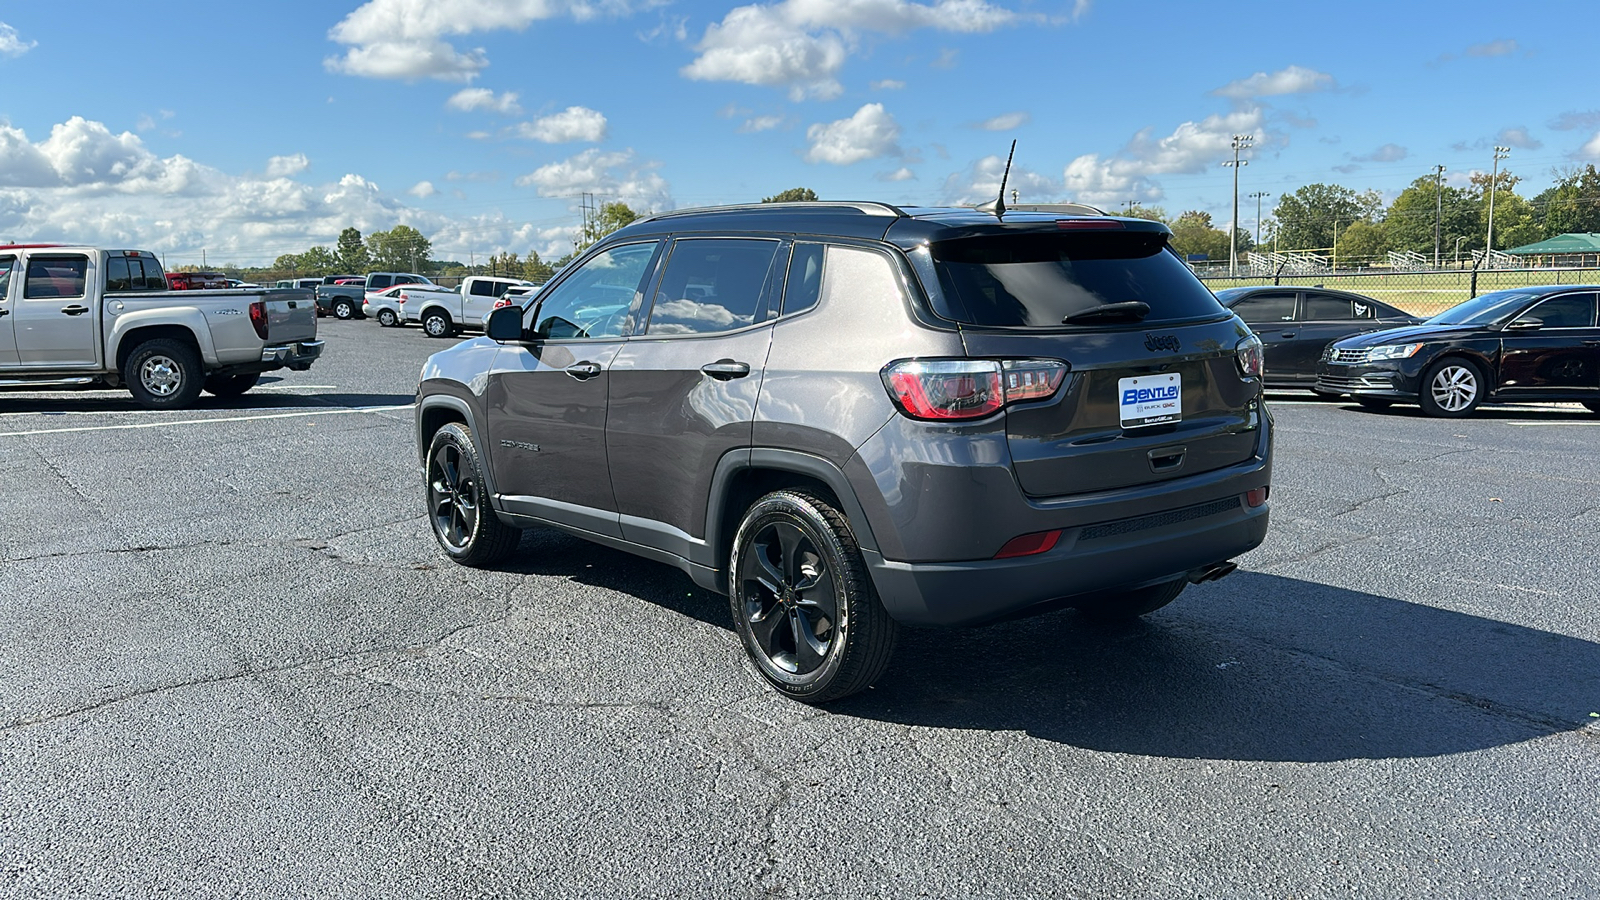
[{"x": 1127, "y": 309}]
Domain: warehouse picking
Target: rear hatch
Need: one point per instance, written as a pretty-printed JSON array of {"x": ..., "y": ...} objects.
[
  {"x": 1146, "y": 399},
  {"x": 291, "y": 316}
]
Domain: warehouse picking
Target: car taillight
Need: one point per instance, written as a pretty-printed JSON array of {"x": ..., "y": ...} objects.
[
  {"x": 401, "y": 298},
  {"x": 258, "y": 318},
  {"x": 1247, "y": 353},
  {"x": 953, "y": 389}
]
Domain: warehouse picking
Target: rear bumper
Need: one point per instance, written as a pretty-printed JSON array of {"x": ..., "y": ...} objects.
[
  {"x": 1121, "y": 554},
  {"x": 298, "y": 355}
]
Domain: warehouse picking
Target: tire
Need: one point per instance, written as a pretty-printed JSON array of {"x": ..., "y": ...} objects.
[
  {"x": 231, "y": 385},
  {"x": 344, "y": 309},
  {"x": 1594, "y": 406},
  {"x": 1125, "y": 606},
  {"x": 794, "y": 571},
  {"x": 163, "y": 373},
  {"x": 1375, "y": 402},
  {"x": 1452, "y": 387},
  {"x": 387, "y": 318},
  {"x": 436, "y": 324},
  {"x": 464, "y": 523}
]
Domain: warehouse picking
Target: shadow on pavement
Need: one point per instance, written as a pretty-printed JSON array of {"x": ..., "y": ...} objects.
[
  {"x": 118, "y": 401},
  {"x": 1255, "y": 667}
]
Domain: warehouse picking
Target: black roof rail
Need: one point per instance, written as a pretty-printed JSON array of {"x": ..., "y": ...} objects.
[{"x": 865, "y": 207}]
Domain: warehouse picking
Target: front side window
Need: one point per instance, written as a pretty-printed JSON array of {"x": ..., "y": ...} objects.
[
  {"x": 712, "y": 285},
  {"x": 50, "y": 277},
  {"x": 1571, "y": 311},
  {"x": 594, "y": 301},
  {"x": 378, "y": 282},
  {"x": 1266, "y": 309}
]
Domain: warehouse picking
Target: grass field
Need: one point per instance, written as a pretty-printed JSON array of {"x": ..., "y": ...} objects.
[{"x": 1420, "y": 293}]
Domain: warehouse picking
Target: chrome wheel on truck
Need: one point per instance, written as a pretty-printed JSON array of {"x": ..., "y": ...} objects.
[{"x": 163, "y": 373}]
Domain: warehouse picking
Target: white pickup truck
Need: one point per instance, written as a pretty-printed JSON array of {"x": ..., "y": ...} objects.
[
  {"x": 73, "y": 316},
  {"x": 444, "y": 313}
]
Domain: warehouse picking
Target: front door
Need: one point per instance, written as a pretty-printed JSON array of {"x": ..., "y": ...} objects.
[
  {"x": 546, "y": 397},
  {"x": 1560, "y": 357},
  {"x": 8, "y": 341},
  {"x": 683, "y": 393},
  {"x": 54, "y": 324}
]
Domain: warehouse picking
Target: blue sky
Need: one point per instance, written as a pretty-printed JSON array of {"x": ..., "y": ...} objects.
[{"x": 252, "y": 130}]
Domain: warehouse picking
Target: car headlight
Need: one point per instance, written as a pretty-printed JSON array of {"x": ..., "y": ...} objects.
[{"x": 1393, "y": 351}]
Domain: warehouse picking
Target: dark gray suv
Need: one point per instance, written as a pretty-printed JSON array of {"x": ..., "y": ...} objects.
[{"x": 849, "y": 416}]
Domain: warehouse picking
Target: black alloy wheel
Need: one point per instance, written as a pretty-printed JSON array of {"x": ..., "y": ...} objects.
[
  {"x": 466, "y": 527},
  {"x": 802, "y": 601}
]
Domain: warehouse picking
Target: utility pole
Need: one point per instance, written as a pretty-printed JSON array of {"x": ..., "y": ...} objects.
[
  {"x": 1335, "y": 245},
  {"x": 1258, "y": 195},
  {"x": 1240, "y": 142},
  {"x": 1438, "y": 209},
  {"x": 1013, "y": 196},
  {"x": 1494, "y": 176}
]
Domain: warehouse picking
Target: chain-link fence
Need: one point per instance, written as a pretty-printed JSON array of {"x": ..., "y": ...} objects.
[{"x": 1418, "y": 293}]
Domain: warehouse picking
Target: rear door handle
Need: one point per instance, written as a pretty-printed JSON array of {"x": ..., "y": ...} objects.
[
  {"x": 583, "y": 371},
  {"x": 1289, "y": 334},
  {"x": 74, "y": 310},
  {"x": 726, "y": 369}
]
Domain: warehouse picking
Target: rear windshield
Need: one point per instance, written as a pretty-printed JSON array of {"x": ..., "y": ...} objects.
[{"x": 1038, "y": 279}]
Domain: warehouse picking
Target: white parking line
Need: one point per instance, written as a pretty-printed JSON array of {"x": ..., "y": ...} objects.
[{"x": 290, "y": 415}]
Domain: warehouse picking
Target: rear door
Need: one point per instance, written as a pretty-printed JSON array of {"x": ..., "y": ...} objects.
[
  {"x": 1271, "y": 315},
  {"x": 1324, "y": 317},
  {"x": 1562, "y": 356},
  {"x": 55, "y": 324},
  {"x": 8, "y": 341},
  {"x": 683, "y": 393},
  {"x": 1011, "y": 292}
]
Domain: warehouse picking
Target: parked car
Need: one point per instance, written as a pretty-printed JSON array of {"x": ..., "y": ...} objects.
[
  {"x": 514, "y": 296},
  {"x": 444, "y": 314},
  {"x": 304, "y": 284},
  {"x": 197, "y": 281},
  {"x": 1523, "y": 344},
  {"x": 846, "y": 416},
  {"x": 1295, "y": 324},
  {"x": 383, "y": 305},
  {"x": 237, "y": 284},
  {"x": 430, "y": 297},
  {"x": 344, "y": 301},
  {"x": 87, "y": 317}
]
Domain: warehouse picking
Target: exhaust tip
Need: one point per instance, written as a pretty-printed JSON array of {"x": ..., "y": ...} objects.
[{"x": 1212, "y": 572}]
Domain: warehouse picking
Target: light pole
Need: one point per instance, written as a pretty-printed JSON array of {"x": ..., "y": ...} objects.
[
  {"x": 1458, "y": 250},
  {"x": 1258, "y": 195},
  {"x": 1438, "y": 209},
  {"x": 1240, "y": 142},
  {"x": 1494, "y": 175}
]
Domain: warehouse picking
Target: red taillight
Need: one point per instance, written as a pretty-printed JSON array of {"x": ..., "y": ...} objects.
[
  {"x": 947, "y": 389},
  {"x": 1088, "y": 225},
  {"x": 258, "y": 318},
  {"x": 1029, "y": 544},
  {"x": 1257, "y": 497}
]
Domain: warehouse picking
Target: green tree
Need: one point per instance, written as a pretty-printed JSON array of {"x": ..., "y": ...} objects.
[
  {"x": 792, "y": 195},
  {"x": 351, "y": 253},
  {"x": 1570, "y": 205},
  {"x": 319, "y": 261},
  {"x": 1515, "y": 223},
  {"x": 610, "y": 217},
  {"x": 1194, "y": 235},
  {"x": 505, "y": 264},
  {"x": 1306, "y": 218},
  {"x": 400, "y": 249},
  {"x": 537, "y": 270},
  {"x": 1138, "y": 211},
  {"x": 1365, "y": 240},
  {"x": 1408, "y": 223}
]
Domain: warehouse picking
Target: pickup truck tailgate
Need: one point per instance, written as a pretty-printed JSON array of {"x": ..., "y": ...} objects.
[{"x": 291, "y": 316}]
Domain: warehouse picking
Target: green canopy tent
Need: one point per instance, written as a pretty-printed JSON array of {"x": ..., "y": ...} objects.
[{"x": 1577, "y": 249}]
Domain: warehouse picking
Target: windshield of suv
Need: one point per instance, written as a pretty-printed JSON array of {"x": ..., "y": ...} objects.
[
  {"x": 1038, "y": 279},
  {"x": 1482, "y": 310}
]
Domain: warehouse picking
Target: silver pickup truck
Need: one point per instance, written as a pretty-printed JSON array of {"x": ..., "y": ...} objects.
[{"x": 89, "y": 317}]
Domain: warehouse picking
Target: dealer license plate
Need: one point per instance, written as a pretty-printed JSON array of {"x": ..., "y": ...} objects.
[{"x": 1150, "y": 399}]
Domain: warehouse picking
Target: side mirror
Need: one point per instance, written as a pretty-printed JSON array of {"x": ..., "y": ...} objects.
[
  {"x": 1526, "y": 325},
  {"x": 505, "y": 324}
]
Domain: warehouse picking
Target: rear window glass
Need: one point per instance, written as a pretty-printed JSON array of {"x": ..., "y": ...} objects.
[{"x": 1038, "y": 279}]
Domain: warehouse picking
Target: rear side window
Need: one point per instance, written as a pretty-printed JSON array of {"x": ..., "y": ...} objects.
[
  {"x": 7, "y": 263},
  {"x": 1571, "y": 311},
  {"x": 1266, "y": 309},
  {"x": 56, "y": 276},
  {"x": 1326, "y": 307},
  {"x": 129, "y": 273},
  {"x": 1036, "y": 280},
  {"x": 710, "y": 286},
  {"x": 805, "y": 279},
  {"x": 117, "y": 274},
  {"x": 484, "y": 288}
]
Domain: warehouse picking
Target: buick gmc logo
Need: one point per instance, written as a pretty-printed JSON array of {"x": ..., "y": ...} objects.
[
  {"x": 1167, "y": 342},
  {"x": 1149, "y": 395}
]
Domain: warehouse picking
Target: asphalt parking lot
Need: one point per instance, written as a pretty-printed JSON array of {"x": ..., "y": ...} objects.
[{"x": 235, "y": 665}]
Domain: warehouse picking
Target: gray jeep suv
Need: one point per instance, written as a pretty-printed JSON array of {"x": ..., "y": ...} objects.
[{"x": 849, "y": 416}]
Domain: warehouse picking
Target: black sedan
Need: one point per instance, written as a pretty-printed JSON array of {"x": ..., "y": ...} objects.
[
  {"x": 1296, "y": 324},
  {"x": 1524, "y": 344}
]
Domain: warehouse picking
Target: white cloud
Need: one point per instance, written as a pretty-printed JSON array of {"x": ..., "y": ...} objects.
[
  {"x": 11, "y": 43},
  {"x": 614, "y": 175},
  {"x": 887, "y": 84},
  {"x": 1291, "y": 80},
  {"x": 803, "y": 44},
  {"x": 1191, "y": 148},
  {"x": 1384, "y": 154},
  {"x": 946, "y": 59},
  {"x": 900, "y": 174},
  {"x": 761, "y": 123},
  {"x": 423, "y": 189},
  {"x": 403, "y": 39},
  {"x": 1591, "y": 149},
  {"x": 1502, "y": 47},
  {"x": 868, "y": 134},
  {"x": 476, "y": 99},
  {"x": 980, "y": 183},
  {"x": 1005, "y": 122},
  {"x": 283, "y": 166},
  {"x": 575, "y": 123},
  {"x": 1518, "y": 137},
  {"x": 1573, "y": 120}
]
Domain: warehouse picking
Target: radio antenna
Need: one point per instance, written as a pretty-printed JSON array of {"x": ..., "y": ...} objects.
[{"x": 998, "y": 204}]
